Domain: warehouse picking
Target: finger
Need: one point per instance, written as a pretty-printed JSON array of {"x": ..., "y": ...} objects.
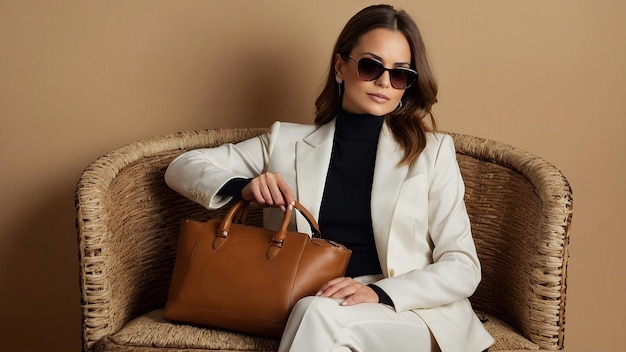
[
  {"x": 264, "y": 187},
  {"x": 251, "y": 192},
  {"x": 363, "y": 295},
  {"x": 331, "y": 283},
  {"x": 338, "y": 288},
  {"x": 273, "y": 184},
  {"x": 285, "y": 190},
  {"x": 344, "y": 292}
]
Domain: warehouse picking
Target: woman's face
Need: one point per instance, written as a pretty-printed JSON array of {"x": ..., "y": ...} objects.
[{"x": 375, "y": 97}]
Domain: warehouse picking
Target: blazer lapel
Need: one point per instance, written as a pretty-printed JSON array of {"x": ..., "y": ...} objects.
[
  {"x": 388, "y": 179},
  {"x": 312, "y": 162}
]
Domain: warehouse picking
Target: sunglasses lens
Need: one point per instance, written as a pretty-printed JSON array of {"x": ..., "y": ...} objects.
[
  {"x": 401, "y": 78},
  {"x": 370, "y": 69}
]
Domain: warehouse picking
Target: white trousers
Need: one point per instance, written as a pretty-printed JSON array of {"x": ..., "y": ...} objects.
[{"x": 319, "y": 324}]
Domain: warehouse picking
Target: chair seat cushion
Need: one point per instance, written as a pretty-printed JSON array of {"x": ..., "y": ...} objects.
[
  {"x": 151, "y": 332},
  {"x": 507, "y": 338}
]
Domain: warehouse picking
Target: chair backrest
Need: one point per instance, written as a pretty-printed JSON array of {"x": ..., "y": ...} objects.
[
  {"x": 520, "y": 207},
  {"x": 128, "y": 222}
]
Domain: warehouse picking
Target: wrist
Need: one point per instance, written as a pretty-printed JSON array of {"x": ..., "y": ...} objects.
[{"x": 383, "y": 297}]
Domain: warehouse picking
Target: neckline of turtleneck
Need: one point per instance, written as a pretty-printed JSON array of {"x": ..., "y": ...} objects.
[{"x": 358, "y": 126}]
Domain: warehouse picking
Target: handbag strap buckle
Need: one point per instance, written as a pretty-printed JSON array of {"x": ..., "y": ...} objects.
[
  {"x": 274, "y": 249},
  {"x": 220, "y": 239}
]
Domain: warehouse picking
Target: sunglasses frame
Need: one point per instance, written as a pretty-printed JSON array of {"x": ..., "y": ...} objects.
[{"x": 384, "y": 69}]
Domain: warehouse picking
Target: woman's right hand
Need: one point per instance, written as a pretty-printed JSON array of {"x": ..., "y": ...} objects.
[{"x": 269, "y": 189}]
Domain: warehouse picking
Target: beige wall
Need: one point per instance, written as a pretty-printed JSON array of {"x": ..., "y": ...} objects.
[{"x": 80, "y": 78}]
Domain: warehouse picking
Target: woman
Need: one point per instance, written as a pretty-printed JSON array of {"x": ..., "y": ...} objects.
[{"x": 381, "y": 182}]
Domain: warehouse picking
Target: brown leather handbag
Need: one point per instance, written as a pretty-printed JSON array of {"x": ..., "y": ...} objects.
[{"x": 244, "y": 278}]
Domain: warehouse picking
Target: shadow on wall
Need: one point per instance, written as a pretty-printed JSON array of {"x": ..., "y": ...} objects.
[{"x": 40, "y": 280}]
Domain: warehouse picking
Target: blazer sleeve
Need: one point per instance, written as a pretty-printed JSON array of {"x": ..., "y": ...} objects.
[
  {"x": 454, "y": 272},
  {"x": 200, "y": 174}
]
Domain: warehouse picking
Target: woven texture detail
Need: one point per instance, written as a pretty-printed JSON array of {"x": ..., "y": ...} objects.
[
  {"x": 151, "y": 332},
  {"x": 520, "y": 208},
  {"x": 128, "y": 222}
]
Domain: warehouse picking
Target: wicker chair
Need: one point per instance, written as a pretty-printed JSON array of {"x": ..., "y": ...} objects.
[{"x": 128, "y": 222}]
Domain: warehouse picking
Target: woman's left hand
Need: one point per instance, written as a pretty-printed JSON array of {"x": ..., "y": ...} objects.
[{"x": 351, "y": 291}]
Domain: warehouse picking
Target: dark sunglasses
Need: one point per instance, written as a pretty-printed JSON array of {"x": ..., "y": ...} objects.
[{"x": 370, "y": 69}]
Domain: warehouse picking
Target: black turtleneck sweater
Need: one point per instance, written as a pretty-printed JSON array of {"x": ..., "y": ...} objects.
[{"x": 345, "y": 214}]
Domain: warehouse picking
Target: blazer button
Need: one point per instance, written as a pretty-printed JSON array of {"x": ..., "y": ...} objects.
[{"x": 392, "y": 273}]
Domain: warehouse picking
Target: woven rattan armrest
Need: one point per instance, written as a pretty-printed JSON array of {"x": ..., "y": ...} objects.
[
  {"x": 520, "y": 207},
  {"x": 128, "y": 222}
]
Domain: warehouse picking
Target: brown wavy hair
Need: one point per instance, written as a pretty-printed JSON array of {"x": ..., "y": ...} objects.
[{"x": 406, "y": 123}]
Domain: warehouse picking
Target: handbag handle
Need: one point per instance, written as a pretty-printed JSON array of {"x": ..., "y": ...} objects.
[{"x": 239, "y": 208}]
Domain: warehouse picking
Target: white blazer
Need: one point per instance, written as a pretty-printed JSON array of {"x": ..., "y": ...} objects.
[{"x": 420, "y": 222}]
